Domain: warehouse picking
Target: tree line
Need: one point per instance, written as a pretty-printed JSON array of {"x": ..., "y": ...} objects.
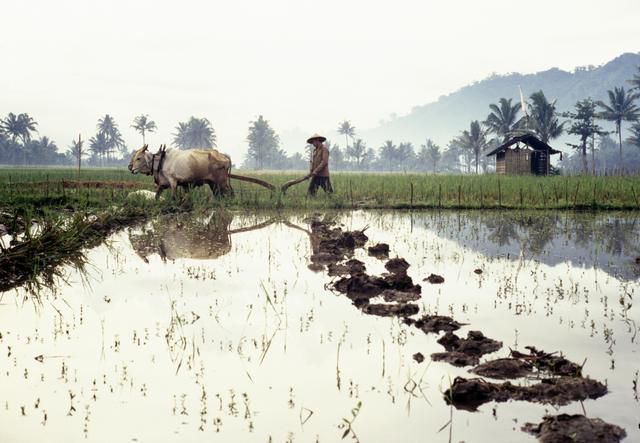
[{"x": 466, "y": 152}]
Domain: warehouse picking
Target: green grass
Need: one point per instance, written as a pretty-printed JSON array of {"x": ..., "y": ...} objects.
[{"x": 41, "y": 189}]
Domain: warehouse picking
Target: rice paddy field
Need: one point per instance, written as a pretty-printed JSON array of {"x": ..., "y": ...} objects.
[
  {"x": 397, "y": 309},
  {"x": 101, "y": 186}
]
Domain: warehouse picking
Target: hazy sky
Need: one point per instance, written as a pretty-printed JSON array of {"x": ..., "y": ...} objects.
[{"x": 304, "y": 65}]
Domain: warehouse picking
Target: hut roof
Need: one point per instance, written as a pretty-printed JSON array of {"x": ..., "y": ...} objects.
[{"x": 528, "y": 139}]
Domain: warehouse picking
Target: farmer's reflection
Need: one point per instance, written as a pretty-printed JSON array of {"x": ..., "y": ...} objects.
[{"x": 188, "y": 236}]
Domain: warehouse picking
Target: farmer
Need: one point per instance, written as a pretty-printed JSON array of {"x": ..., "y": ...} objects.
[{"x": 319, "y": 170}]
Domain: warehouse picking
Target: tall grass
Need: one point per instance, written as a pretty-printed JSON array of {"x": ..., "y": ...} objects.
[{"x": 45, "y": 188}]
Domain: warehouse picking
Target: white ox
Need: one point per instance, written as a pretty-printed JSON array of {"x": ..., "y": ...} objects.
[{"x": 171, "y": 168}]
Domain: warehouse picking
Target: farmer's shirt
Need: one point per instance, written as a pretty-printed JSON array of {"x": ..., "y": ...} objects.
[{"x": 320, "y": 161}]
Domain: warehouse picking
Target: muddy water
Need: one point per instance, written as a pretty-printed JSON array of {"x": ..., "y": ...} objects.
[{"x": 195, "y": 329}]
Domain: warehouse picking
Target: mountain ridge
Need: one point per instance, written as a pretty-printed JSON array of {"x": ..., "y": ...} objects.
[{"x": 444, "y": 118}]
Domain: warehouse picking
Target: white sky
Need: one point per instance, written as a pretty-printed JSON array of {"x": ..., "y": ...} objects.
[{"x": 304, "y": 65}]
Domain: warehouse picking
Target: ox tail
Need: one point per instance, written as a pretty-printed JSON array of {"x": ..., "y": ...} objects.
[{"x": 257, "y": 181}]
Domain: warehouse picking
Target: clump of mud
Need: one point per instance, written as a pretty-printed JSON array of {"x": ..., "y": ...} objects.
[
  {"x": 434, "y": 279},
  {"x": 572, "y": 428},
  {"x": 549, "y": 362},
  {"x": 465, "y": 351},
  {"x": 433, "y": 324},
  {"x": 380, "y": 250},
  {"x": 397, "y": 266},
  {"x": 391, "y": 310},
  {"x": 350, "y": 267},
  {"x": 504, "y": 368},
  {"x": 331, "y": 245},
  {"x": 468, "y": 394}
]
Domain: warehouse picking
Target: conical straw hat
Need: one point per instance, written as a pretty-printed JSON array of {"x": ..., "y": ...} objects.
[{"x": 316, "y": 136}]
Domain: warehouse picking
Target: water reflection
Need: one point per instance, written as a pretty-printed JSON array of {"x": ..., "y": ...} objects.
[
  {"x": 189, "y": 236},
  {"x": 607, "y": 242}
]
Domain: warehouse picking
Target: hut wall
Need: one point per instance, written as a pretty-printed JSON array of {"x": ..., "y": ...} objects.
[
  {"x": 500, "y": 163},
  {"x": 540, "y": 163},
  {"x": 518, "y": 161}
]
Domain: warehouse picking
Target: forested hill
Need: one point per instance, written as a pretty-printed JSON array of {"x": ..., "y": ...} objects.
[{"x": 445, "y": 118}]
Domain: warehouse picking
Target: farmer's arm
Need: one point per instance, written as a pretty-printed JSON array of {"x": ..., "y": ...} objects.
[{"x": 324, "y": 161}]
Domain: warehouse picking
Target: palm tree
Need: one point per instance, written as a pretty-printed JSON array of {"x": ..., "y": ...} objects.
[
  {"x": 473, "y": 141},
  {"x": 634, "y": 139},
  {"x": 196, "y": 133},
  {"x": 357, "y": 151},
  {"x": 347, "y": 130},
  {"x": 620, "y": 108},
  {"x": 264, "y": 143},
  {"x": 406, "y": 155},
  {"x": 503, "y": 118},
  {"x": 77, "y": 151},
  {"x": 99, "y": 146},
  {"x": 430, "y": 154},
  {"x": 12, "y": 126},
  {"x": 142, "y": 124},
  {"x": 584, "y": 126},
  {"x": 387, "y": 155},
  {"x": 20, "y": 126},
  {"x": 108, "y": 127},
  {"x": 543, "y": 120}
]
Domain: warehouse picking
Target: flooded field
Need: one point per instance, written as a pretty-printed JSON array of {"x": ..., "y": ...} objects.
[{"x": 222, "y": 327}]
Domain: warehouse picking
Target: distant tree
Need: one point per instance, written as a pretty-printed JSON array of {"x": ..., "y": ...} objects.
[
  {"x": 429, "y": 156},
  {"x": 473, "y": 141},
  {"x": 263, "y": 143},
  {"x": 357, "y": 151},
  {"x": 450, "y": 160},
  {"x": 621, "y": 108},
  {"x": 195, "y": 133},
  {"x": 98, "y": 145},
  {"x": 142, "y": 124},
  {"x": 348, "y": 130},
  {"x": 336, "y": 156},
  {"x": 76, "y": 149},
  {"x": 503, "y": 119},
  {"x": 387, "y": 156},
  {"x": 369, "y": 159},
  {"x": 20, "y": 126},
  {"x": 43, "y": 151},
  {"x": 113, "y": 140},
  {"x": 634, "y": 138},
  {"x": 543, "y": 119},
  {"x": 406, "y": 156},
  {"x": 584, "y": 126}
]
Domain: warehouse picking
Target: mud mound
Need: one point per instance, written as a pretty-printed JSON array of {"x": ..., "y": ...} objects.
[
  {"x": 572, "y": 428},
  {"x": 468, "y": 394},
  {"x": 432, "y": 324},
  {"x": 475, "y": 343},
  {"x": 504, "y": 368},
  {"x": 350, "y": 267},
  {"x": 434, "y": 279},
  {"x": 392, "y": 295},
  {"x": 391, "y": 310},
  {"x": 380, "y": 250},
  {"x": 549, "y": 362},
  {"x": 397, "y": 266},
  {"x": 455, "y": 358}
]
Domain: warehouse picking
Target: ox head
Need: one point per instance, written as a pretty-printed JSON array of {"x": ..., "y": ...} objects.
[{"x": 141, "y": 161}]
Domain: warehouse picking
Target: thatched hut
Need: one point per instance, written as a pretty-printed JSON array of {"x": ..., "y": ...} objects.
[{"x": 530, "y": 155}]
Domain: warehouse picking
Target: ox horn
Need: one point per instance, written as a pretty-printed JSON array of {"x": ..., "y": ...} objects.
[{"x": 145, "y": 147}]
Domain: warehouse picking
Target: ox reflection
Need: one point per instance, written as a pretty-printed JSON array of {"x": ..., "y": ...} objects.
[{"x": 188, "y": 236}]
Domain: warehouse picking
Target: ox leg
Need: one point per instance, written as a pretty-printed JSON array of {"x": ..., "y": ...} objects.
[
  {"x": 159, "y": 191},
  {"x": 215, "y": 189}
]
